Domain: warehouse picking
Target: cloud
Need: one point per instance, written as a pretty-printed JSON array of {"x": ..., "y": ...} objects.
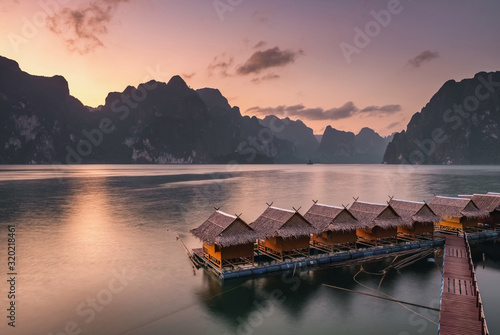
[
  {"x": 387, "y": 109},
  {"x": 345, "y": 111},
  {"x": 83, "y": 28},
  {"x": 260, "y": 44},
  {"x": 393, "y": 125},
  {"x": 423, "y": 57},
  {"x": 221, "y": 65},
  {"x": 188, "y": 75},
  {"x": 269, "y": 76},
  {"x": 261, "y": 60}
]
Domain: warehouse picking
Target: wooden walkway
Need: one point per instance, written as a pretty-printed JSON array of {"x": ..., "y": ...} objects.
[{"x": 461, "y": 306}]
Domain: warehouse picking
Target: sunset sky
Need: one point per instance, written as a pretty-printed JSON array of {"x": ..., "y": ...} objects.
[{"x": 347, "y": 64}]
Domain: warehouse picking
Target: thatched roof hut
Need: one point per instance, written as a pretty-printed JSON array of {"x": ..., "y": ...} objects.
[
  {"x": 331, "y": 218},
  {"x": 225, "y": 230},
  {"x": 489, "y": 202},
  {"x": 278, "y": 222},
  {"x": 414, "y": 211},
  {"x": 456, "y": 208},
  {"x": 373, "y": 215}
]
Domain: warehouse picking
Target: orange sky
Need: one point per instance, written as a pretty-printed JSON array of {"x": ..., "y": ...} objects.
[{"x": 272, "y": 56}]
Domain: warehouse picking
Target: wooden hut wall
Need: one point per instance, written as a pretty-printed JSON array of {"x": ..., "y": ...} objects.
[
  {"x": 212, "y": 253},
  {"x": 495, "y": 217},
  {"x": 460, "y": 223},
  {"x": 418, "y": 228},
  {"x": 217, "y": 255},
  {"x": 469, "y": 222},
  {"x": 492, "y": 219},
  {"x": 377, "y": 233},
  {"x": 280, "y": 245},
  {"x": 237, "y": 251},
  {"x": 289, "y": 244},
  {"x": 336, "y": 237},
  {"x": 451, "y": 223}
]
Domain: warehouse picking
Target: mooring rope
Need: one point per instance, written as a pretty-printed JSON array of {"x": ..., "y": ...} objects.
[
  {"x": 380, "y": 297},
  {"x": 394, "y": 299}
]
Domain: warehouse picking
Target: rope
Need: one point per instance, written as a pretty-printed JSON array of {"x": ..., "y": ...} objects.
[
  {"x": 387, "y": 295},
  {"x": 380, "y": 297},
  {"x": 190, "y": 256}
]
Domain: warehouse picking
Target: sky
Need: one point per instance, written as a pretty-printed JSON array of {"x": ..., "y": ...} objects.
[{"x": 348, "y": 64}]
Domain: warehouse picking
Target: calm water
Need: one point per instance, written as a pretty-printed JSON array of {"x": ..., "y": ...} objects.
[{"x": 97, "y": 250}]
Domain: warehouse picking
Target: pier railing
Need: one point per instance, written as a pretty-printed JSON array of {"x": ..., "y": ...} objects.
[{"x": 479, "y": 302}]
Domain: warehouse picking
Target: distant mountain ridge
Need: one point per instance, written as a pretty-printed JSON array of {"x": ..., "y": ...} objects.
[
  {"x": 459, "y": 125},
  {"x": 153, "y": 123},
  {"x": 367, "y": 147},
  {"x": 296, "y": 132}
]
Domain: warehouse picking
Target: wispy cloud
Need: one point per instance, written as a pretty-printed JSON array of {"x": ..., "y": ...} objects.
[
  {"x": 188, "y": 75},
  {"x": 260, "y": 44},
  {"x": 345, "y": 111},
  {"x": 423, "y": 57},
  {"x": 261, "y": 60},
  {"x": 269, "y": 76},
  {"x": 82, "y": 28},
  {"x": 387, "y": 109},
  {"x": 393, "y": 125},
  {"x": 221, "y": 65}
]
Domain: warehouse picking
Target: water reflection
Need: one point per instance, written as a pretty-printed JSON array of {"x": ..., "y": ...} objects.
[
  {"x": 295, "y": 294},
  {"x": 491, "y": 251},
  {"x": 75, "y": 231}
]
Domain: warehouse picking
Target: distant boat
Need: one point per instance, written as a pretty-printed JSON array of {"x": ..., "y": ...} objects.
[{"x": 310, "y": 162}]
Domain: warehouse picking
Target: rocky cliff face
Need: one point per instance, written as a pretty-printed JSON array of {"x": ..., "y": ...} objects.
[
  {"x": 153, "y": 123},
  {"x": 296, "y": 132},
  {"x": 367, "y": 147},
  {"x": 37, "y": 116},
  {"x": 459, "y": 125}
]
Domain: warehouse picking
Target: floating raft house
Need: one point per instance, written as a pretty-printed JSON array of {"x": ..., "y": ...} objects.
[
  {"x": 488, "y": 202},
  {"x": 336, "y": 227},
  {"x": 283, "y": 232},
  {"x": 381, "y": 222},
  {"x": 459, "y": 214},
  {"x": 227, "y": 239},
  {"x": 281, "y": 239},
  {"x": 419, "y": 218}
]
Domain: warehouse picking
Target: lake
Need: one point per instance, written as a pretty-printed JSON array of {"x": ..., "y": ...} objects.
[{"x": 96, "y": 250}]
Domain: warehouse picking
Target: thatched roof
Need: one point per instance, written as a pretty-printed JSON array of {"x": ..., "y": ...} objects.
[
  {"x": 373, "y": 215},
  {"x": 456, "y": 207},
  {"x": 489, "y": 202},
  {"x": 414, "y": 211},
  {"x": 493, "y": 193},
  {"x": 225, "y": 230},
  {"x": 278, "y": 222},
  {"x": 330, "y": 218}
]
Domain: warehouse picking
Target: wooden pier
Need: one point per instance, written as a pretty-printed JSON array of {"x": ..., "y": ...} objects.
[{"x": 461, "y": 306}]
